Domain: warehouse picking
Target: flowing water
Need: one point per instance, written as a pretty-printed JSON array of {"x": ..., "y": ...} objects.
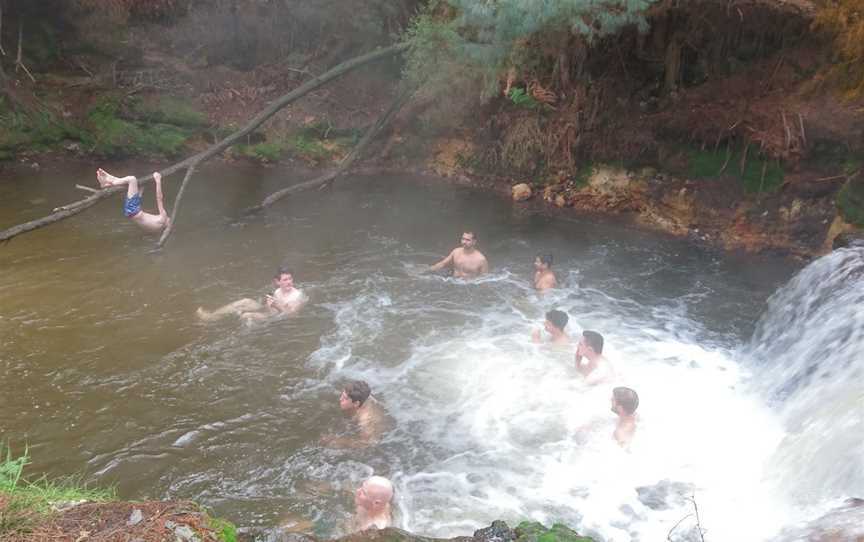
[{"x": 107, "y": 371}]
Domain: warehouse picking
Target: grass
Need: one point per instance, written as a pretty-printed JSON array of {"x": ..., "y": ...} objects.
[
  {"x": 38, "y": 131},
  {"x": 708, "y": 165},
  {"x": 174, "y": 111},
  {"x": 268, "y": 151},
  {"x": 110, "y": 135},
  {"x": 26, "y": 502}
]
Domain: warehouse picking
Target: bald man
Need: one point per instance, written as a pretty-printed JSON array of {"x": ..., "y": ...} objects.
[{"x": 372, "y": 502}]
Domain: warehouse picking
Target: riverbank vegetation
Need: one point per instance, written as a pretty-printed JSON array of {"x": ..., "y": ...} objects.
[
  {"x": 67, "y": 509},
  {"x": 760, "y": 99}
]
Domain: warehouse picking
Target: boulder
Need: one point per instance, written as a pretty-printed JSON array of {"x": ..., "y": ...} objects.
[{"x": 521, "y": 192}]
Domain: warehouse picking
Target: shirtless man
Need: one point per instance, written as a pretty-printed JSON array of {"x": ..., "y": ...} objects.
[
  {"x": 624, "y": 403},
  {"x": 372, "y": 504},
  {"x": 286, "y": 299},
  {"x": 132, "y": 202},
  {"x": 467, "y": 262},
  {"x": 544, "y": 277},
  {"x": 356, "y": 401},
  {"x": 554, "y": 325},
  {"x": 596, "y": 368}
]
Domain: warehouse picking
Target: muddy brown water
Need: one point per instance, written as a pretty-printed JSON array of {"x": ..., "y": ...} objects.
[{"x": 107, "y": 372}]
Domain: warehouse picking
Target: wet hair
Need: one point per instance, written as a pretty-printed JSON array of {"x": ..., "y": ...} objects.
[
  {"x": 545, "y": 259},
  {"x": 594, "y": 340},
  {"x": 558, "y": 318},
  {"x": 358, "y": 390},
  {"x": 282, "y": 270},
  {"x": 471, "y": 232},
  {"x": 626, "y": 399}
]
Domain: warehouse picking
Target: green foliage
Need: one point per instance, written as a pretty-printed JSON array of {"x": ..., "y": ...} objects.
[
  {"x": 35, "y": 131},
  {"x": 850, "y": 201},
  {"x": 26, "y": 501},
  {"x": 708, "y": 165},
  {"x": 532, "y": 531},
  {"x": 224, "y": 529},
  {"x": 268, "y": 151},
  {"x": 455, "y": 39},
  {"x": 520, "y": 98},
  {"x": 110, "y": 135},
  {"x": 175, "y": 111}
]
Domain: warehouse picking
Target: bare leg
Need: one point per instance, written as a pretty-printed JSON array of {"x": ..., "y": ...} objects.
[
  {"x": 106, "y": 179},
  {"x": 133, "y": 186},
  {"x": 237, "y": 307},
  {"x": 160, "y": 204}
]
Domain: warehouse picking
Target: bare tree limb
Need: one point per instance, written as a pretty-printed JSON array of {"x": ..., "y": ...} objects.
[
  {"x": 2, "y": 51},
  {"x": 71, "y": 209},
  {"x": 324, "y": 180},
  {"x": 19, "y": 62},
  {"x": 166, "y": 233},
  {"x": 86, "y": 188}
]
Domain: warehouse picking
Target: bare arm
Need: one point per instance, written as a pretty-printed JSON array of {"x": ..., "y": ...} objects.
[{"x": 446, "y": 262}]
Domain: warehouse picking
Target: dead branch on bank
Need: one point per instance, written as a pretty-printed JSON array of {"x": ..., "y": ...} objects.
[
  {"x": 699, "y": 528},
  {"x": 324, "y": 180},
  {"x": 72, "y": 209}
]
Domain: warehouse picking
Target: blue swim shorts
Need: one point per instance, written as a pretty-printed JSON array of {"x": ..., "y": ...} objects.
[{"x": 132, "y": 206}]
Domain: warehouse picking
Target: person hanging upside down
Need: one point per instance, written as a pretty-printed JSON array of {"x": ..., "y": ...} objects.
[{"x": 132, "y": 202}]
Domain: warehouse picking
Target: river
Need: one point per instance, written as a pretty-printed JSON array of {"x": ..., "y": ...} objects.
[{"x": 107, "y": 371}]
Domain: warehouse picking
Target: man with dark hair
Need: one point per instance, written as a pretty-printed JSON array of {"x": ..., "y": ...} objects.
[
  {"x": 624, "y": 403},
  {"x": 466, "y": 261},
  {"x": 544, "y": 277},
  {"x": 596, "y": 368},
  {"x": 554, "y": 325},
  {"x": 356, "y": 401},
  {"x": 286, "y": 299}
]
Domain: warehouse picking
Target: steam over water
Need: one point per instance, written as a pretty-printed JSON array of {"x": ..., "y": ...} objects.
[{"x": 112, "y": 374}]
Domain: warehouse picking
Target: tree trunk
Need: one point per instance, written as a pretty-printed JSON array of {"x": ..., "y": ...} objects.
[
  {"x": 673, "y": 62},
  {"x": 65, "y": 211}
]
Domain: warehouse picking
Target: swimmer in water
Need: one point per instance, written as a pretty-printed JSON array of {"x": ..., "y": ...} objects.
[
  {"x": 624, "y": 403},
  {"x": 356, "y": 401},
  {"x": 372, "y": 504},
  {"x": 554, "y": 325},
  {"x": 466, "y": 261},
  {"x": 595, "y": 368},
  {"x": 544, "y": 277},
  {"x": 132, "y": 202},
  {"x": 286, "y": 299}
]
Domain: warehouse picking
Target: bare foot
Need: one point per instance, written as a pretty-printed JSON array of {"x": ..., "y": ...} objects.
[
  {"x": 103, "y": 177},
  {"x": 157, "y": 177}
]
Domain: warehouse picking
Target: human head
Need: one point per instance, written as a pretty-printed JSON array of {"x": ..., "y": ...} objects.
[
  {"x": 590, "y": 344},
  {"x": 543, "y": 262},
  {"x": 469, "y": 240},
  {"x": 354, "y": 395},
  {"x": 284, "y": 277},
  {"x": 624, "y": 401},
  {"x": 374, "y": 495},
  {"x": 556, "y": 318}
]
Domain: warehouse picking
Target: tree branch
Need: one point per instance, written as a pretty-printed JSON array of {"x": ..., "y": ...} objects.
[
  {"x": 71, "y": 209},
  {"x": 166, "y": 233},
  {"x": 346, "y": 162}
]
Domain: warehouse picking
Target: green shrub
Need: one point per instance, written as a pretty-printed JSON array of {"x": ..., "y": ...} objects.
[
  {"x": 850, "y": 201},
  {"x": 708, "y": 165}
]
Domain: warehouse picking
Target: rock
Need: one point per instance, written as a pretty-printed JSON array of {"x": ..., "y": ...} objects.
[
  {"x": 848, "y": 239},
  {"x": 521, "y": 192},
  {"x": 135, "y": 518},
  {"x": 532, "y": 531},
  {"x": 560, "y": 200},
  {"x": 665, "y": 494},
  {"x": 499, "y": 531},
  {"x": 184, "y": 533}
]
